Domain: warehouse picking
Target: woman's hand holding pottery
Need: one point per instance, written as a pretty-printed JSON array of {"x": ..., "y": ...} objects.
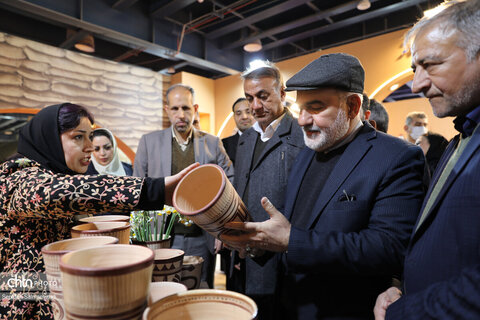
[
  {"x": 270, "y": 235},
  {"x": 172, "y": 181}
]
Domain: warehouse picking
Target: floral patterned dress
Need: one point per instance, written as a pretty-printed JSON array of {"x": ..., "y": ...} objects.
[{"x": 37, "y": 207}]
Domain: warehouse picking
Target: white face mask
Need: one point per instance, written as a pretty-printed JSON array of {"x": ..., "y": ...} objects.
[{"x": 417, "y": 132}]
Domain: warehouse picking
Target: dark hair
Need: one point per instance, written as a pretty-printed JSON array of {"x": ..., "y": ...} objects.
[
  {"x": 437, "y": 141},
  {"x": 69, "y": 116},
  {"x": 379, "y": 115},
  {"x": 101, "y": 132},
  {"x": 237, "y": 101},
  {"x": 438, "y": 144},
  {"x": 268, "y": 70},
  {"x": 365, "y": 105}
]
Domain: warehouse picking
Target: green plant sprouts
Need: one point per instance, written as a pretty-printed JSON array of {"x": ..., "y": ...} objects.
[{"x": 153, "y": 225}]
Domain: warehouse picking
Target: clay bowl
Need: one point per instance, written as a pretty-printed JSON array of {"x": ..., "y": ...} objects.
[
  {"x": 167, "y": 265},
  {"x": 120, "y": 230},
  {"x": 108, "y": 282},
  {"x": 107, "y": 218},
  {"x": 203, "y": 304},
  {"x": 192, "y": 271},
  {"x": 51, "y": 256},
  {"x": 208, "y": 198},
  {"x": 160, "y": 290}
]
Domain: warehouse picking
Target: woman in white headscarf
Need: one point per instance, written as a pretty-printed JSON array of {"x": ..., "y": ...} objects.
[{"x": 105, "y": 158}]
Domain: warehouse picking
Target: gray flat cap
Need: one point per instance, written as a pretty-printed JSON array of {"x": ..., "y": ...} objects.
[{"x": 339, "y": 70}]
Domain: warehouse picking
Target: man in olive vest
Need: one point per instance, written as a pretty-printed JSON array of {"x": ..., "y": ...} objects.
[{"x": 166, "y": 152}]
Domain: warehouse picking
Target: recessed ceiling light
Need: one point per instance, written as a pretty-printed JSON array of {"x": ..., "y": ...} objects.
[{"x": 394, "y": 87}]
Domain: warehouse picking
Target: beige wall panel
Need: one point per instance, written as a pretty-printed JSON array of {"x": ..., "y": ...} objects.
[
  {"x": 36, "y": 85},
  {"x": 11, "y": 52},
  {"x": 10, "y": 79},
  {"x": 126, "y": 99}
]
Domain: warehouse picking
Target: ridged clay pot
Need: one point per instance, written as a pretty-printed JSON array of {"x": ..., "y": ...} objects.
[
  {"x": 208, "y": 198},
  {"x": 108, "y": 282},
  {"x": 51, "y": 256},
  {"x": 167, "y": 265},
  {"x": 203, "y": 304},
  {"x": 120, "y": 230}
]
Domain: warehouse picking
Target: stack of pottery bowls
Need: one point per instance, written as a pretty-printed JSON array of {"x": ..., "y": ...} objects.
[
  {"x": 118, "y": 229},
  {"x": 51, "y": 256},
  {"x": 108, "y": 282}
]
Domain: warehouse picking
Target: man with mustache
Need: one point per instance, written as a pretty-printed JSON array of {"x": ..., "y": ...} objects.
[
  {"x": 243, "y": 120},
  {"x": 166, "y": 152},
  {"x": 351, "y": 202},
  {"x": 265, "y": 155},
  {"x": 442, "y": 264}
]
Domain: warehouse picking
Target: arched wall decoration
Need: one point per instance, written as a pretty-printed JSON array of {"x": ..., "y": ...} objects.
[{"x": 383, "y": 90}]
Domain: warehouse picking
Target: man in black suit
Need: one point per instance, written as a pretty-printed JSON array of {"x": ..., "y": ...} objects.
[
  {"x": 265, "y": 155},
  {"x": 243, "y": 119},
  {"x": 350, "y": 205},
  {"x": 442, "y": 264}
]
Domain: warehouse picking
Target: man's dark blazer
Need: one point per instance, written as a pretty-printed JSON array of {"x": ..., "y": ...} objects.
[
  {"x": 266, "y": 178},
  {"x": 347, "y": 253},
  {"x": 442, "y": 268},
  {"x": 230, "y": 144}
]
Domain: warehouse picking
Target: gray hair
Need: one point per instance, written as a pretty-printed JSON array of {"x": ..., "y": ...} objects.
[
  {"x": 460, "y": 16},
  {"x": 268, "y": 70},
  {"x": 180, "y": 85},
  {"x": 379, "y": 115},
  {"x": 415, "y": 114}
]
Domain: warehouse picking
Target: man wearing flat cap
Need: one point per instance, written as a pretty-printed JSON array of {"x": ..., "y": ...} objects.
[{"x": 352, "y": 199}]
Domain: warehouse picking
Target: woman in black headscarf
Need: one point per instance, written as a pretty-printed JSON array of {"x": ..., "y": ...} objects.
[{"x": 42, "y": 190}]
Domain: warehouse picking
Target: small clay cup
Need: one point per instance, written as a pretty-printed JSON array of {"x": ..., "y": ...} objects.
[
  {"x": 167, "y": 265},
  {"x": 192, "y": 271}
]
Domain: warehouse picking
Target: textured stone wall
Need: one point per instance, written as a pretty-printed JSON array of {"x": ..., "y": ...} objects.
[{"x": 127, "y": 100}]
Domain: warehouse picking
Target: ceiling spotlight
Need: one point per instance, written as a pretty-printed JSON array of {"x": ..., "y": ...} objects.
[
  {"x": 87, "y": 44},
  {"x": 253, "y": 46},
  {"x": 171, "y": 70},
  {"x": 432, "y": 12},
  {"x": 200, "y": 1},
  {"x": 363, "y": 5},
  {"x": 394, "y": 87}
]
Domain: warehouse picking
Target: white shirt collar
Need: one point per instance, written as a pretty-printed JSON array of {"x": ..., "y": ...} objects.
[
  {"x": 270, "y": 130},
  {"x": 183, "y": 145}
]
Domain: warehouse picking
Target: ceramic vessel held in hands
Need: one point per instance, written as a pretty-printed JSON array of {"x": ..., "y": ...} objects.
[{"x": 208, "y": 198}]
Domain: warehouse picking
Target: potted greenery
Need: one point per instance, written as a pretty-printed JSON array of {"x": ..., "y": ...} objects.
[{"x": 152, "y": 228}]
